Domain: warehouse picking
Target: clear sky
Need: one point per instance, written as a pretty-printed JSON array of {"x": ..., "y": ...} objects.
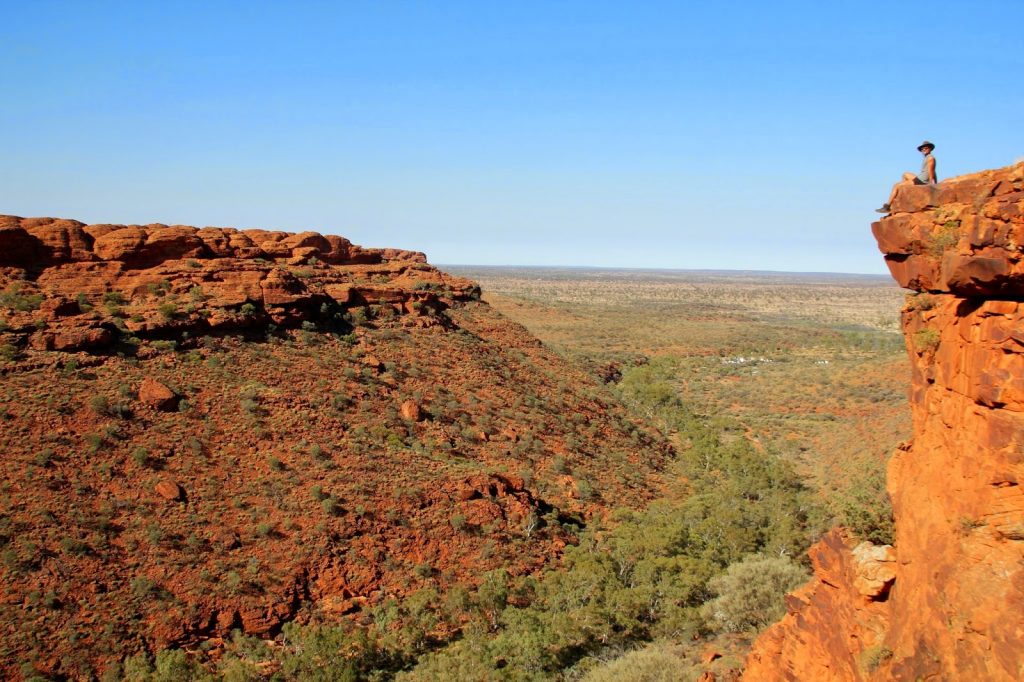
[{"x": 735, "y": 135}]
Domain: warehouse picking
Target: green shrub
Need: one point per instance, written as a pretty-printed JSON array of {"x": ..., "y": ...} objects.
[
  {"x": 14, "y": 299},
  {"x": 864, "y": 507},
  {"x": 142, "y": 586},
  {"x": 584, "y": 489},
  {"x": 943, "y": 238},
  {"x": 140, "y": 456},
  {"x": 173, "y": 665},
  {"x": 875, "y": 656},
  {"x": 750, "y": 593},
  {"x": 458, "y": 521},
  {"x": 656, "y": 662},
  {"x": 73, "y": 546},
  {"x": 93, "y": 442},
  {"x": 168, "y": 311},
  {"x": 920, "y": 301},
  {"x": 159, "y": 288},
  {"x": 926, "y": 339},
  {"x": 100, "y": 404},
  {"x": 44, "y": 457},
  {"x": 8, "y": 352}
]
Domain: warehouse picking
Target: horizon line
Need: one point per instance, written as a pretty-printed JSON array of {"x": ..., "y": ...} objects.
[{"x": 662, "y": 269}]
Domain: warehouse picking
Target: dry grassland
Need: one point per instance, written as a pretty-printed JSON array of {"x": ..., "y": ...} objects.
[{"x": 810, "y": 366}]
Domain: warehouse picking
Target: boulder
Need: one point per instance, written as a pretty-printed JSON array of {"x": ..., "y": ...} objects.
[
  {"x": 157, "y": 395},
  {"x": 18, "y": 248},
  {"x": 411, "y": 411},
  {"x": 169, "y": 489},
  {"x": 875, "y": 568}
]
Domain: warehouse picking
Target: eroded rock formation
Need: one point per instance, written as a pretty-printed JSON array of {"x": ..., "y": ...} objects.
[
  {"x": 954, "y": 608},
  {"x": 208, "y": 430},
  {"x": 83, "y": 286}
]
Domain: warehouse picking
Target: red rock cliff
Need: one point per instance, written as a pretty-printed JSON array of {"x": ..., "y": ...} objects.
[
  {"x": 76, "y": 287},
  {"x": 950, "y": 606}
]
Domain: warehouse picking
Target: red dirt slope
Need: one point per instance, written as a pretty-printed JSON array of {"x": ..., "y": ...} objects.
[{"x": 211, "y": 429}]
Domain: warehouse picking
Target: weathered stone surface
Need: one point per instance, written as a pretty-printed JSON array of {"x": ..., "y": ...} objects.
[
  {"x": 168, "y": 489},
  {"x": 828, "y": 624},
  {"x": 157, "y": 395},
  {"x": 63, "y": 241},
  {"x": 875, "y": 569},
  {"x": 960, "y": 236},
  {"x": 154, "y": 280},
  {"x": 957, "y": 588},
  {"x": 411, "y": 411}
]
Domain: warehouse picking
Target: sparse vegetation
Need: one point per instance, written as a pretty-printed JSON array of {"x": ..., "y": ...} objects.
[
  {"x": 926, "y": 339},
  {"x": 8, "y": 352},
  {"x": 323, "y": 426},
  {"x": 875, "y": 656},
  {"x": 943, "y": 238},
  {"x": 750, "y": 592},
  {"x": 168, "y": 310},
  {"x": 16, "y": 299}
]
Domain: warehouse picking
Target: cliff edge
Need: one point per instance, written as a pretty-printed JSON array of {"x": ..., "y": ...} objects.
[
  {"x": 71, "y": 286},
  {"x": 946, "y": 601}
]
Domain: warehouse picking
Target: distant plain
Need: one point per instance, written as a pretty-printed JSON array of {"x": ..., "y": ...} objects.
[{"x": 810, "y": 366}]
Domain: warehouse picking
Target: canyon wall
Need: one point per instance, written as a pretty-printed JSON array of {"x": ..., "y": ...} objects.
[
  {"x": 210, "y": 431},
  {"x": 946, "y": 602},
  {"x": 76, "y": 287}
]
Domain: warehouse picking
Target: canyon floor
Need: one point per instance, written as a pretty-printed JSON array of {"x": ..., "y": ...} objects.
[
  {"x": 254, "y": 455},
  {"x": 812, "y": 365}
]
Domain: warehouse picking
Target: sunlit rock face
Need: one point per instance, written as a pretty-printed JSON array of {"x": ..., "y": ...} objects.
[
  {"x": 94, "y": 281},
  {"x": 953, "y": 608}
]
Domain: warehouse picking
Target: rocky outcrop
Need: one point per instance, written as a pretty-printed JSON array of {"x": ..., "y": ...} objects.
[
  {"x": 953, "y": 608},
  {"x": 68, "y": 286},
  {"x": 190, "y": 471}
]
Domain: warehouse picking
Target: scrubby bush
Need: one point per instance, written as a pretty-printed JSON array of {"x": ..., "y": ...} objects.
[
  {"x": 168, "y": 311},
  {"x": 865, "y": 507},
  {"x": 656, "y": 662},
  {"x": 750, "y": 593},
  {"x": 8, "y": 352},
  {"x": 943, "y": 237},
  {"x": 926, "y": 339},
  {"x": 13, "y": 298}
]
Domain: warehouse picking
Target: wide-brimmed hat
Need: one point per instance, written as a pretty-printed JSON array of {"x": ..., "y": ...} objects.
[{"x": 924, "y": 144}]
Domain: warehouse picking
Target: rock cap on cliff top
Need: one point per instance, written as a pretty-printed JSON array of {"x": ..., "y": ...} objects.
[
  {"x": 964, "y": 235},
  {"x": 69, "y": 286}
]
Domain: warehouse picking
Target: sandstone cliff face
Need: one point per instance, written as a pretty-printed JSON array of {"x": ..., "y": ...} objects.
[{"x": 954, "y": 609}]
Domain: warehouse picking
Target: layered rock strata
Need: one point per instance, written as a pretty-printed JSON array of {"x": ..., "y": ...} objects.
[
  {"x": 71, "y": 286},
  {"x": 954, "y": 607}
]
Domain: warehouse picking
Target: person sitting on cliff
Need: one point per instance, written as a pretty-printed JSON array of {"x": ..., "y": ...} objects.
[{"x": 926, "y": 176}]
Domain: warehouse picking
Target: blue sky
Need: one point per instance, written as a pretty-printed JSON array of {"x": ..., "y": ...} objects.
[{"x": 648, "y": 134}]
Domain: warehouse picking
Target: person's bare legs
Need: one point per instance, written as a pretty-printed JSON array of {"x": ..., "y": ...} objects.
[{"x": 907, "y": 179}]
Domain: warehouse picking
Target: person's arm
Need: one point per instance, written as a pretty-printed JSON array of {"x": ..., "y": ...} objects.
[{"x": 931, "y": 170}]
